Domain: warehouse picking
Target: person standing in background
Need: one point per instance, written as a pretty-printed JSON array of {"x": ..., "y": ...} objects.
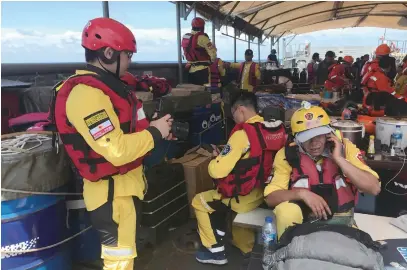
[
  {"x": 249, "y": 72},
  {"x": 312, "y": 68},
  {"x": 323, "y": 67},
  {"x": 199, "y": 52}
]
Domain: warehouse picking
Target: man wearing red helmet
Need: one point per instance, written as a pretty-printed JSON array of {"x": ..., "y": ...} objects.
[
  {"x": 105, "y": 132},
  {"x": 199, "y": 52},
  {"x": 381, "y": 51}
]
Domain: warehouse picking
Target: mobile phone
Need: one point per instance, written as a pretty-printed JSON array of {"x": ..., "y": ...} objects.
[{"x": 330, "y": 146}]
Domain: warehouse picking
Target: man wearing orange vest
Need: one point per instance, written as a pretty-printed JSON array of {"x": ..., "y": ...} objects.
[
  {"x": 339, "y": 75},
  {"x": 381, "y": 51},
  {"x": 378, "y": 92},
  {"x": 249, "y": 72},
  {"x": 199, "y": 52},
  {"x": 104, "y": 130}
]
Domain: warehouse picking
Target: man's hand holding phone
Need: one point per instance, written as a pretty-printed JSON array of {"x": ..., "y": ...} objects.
[
  {"x": 215, "y": 151},
  {"x": 336, "y": 147}
]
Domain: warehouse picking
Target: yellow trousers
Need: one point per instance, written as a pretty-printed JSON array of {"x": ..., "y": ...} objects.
[
  {"x": 211, "y": 214},
  {"x": 288, "y": 214},
  {"x": 116, "y": 223}
]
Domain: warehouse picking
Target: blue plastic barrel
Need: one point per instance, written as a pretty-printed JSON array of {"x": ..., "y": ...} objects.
[
  {"x": 30, "y": 223},
  {"x": 86, "y": 246},
  {"x": 205, "y": 125}
]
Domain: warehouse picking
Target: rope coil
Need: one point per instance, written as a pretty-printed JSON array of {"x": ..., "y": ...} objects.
[{"x": 16, "y": 145}]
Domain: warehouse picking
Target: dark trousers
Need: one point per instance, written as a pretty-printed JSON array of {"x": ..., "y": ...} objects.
[{"x": 199, "y": 77}]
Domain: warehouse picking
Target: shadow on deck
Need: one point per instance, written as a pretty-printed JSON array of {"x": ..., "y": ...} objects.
[{"x": 171, "y": 255}]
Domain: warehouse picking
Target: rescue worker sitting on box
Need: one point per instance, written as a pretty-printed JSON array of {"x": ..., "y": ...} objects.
[
  {"x": 105, "y": 132},
  {"x": 249, "y": 72},
  {"x": 379, "y": 96},
  {"x": 381, "y": 51},
  {"x": 340, "y": 75},
  {"x": 318, "y": 175},
  {"x": 199, "y": 52},
  {"x": 239, "y": 172}
]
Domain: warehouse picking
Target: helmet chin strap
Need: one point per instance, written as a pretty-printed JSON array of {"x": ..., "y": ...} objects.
[{"x": 105, "y": 60}]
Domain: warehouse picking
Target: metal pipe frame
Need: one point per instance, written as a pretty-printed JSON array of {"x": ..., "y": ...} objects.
[
  {"x": 105, "y": 6},
  {"x": 234, "y": 44},
  {"x": 178, "y": 12},
  {"x": 239, "y": 38},
  {"x": 339, "y": 9},
  {"x": 258, "y": 49},
  {"x": 213, "y": 33}
]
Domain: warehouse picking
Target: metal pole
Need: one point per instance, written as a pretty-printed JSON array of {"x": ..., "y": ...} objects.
[
  {"x": 258, "y": 48},
  {"x": 271, "y": 43},
  {"x": 178, "y": 8},
  {"x": 278, "y": 50},
  {"x": 248, "y": 42},
  {"x": 213, "y": 33},
  {"x": 234, "y": 45},
  {"x": 105, "y": 5}
]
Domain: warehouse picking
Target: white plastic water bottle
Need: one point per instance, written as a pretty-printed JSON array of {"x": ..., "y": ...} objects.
[
  {"x": 397, "y": 137},
  {"x": 269, "y": 237}
]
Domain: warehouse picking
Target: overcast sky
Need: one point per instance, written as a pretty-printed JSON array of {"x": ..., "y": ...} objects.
[{"x": 45, "y": 32}]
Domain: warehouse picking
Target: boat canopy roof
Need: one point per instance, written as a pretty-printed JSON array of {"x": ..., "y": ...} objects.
[{"x": 280, "y": 18}]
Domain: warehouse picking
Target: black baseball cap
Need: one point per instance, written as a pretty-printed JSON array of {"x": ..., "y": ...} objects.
[{"x": 248, "y": 52}]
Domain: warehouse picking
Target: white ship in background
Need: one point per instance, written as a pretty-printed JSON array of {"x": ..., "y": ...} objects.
[{"x": 299, "y": 55}]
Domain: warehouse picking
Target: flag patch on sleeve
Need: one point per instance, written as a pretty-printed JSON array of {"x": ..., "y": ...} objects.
[{"x": 99, "y": 124}]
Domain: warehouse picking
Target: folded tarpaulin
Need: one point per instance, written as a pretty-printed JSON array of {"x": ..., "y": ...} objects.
[{"x": 36, "y": 168}]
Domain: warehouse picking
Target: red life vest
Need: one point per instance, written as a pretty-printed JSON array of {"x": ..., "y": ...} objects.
[
  {"x": 369, "y": 67},
  {"x": 158, "y": 86},
  {"x": 215, "y": 74},
  {"x": 306, "y": 175},
  {"x": 369, "y": 86},
  {"x": 192, "y": 51},
  {"x": 252, "y": 74},
  {"x": 265, "y": 140},
  {"x": 90, "y": 164}
]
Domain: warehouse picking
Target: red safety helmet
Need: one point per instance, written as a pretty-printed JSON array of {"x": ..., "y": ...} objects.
[
  {"x": 106, "y": 32},
  {"x": 198, "y": 23},
  {"x": 349, "y": 59},
  {"x": 383, "y": 49}
]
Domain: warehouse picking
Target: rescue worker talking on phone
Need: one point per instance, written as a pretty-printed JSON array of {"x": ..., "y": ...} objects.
[
  {"x": 199, "y": 52},
  {"x": 239, "y": 171},
  {"x": 316, "y": 178},
  {"x": 105, "y": 132}
]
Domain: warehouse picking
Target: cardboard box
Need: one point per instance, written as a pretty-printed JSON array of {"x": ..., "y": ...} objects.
[
  {"x": 145, "y": 96},
  {"x": 195, "y": 163},
  {"x": 191, "y": 87}
]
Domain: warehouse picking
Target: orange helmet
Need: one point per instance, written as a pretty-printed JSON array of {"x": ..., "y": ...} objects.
[
  {"x": 382, "y": 49},
  {"x": 105, "y": 32},
  {"x": 198, "y": 23},
  {"x": 348, "y": 59}
]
